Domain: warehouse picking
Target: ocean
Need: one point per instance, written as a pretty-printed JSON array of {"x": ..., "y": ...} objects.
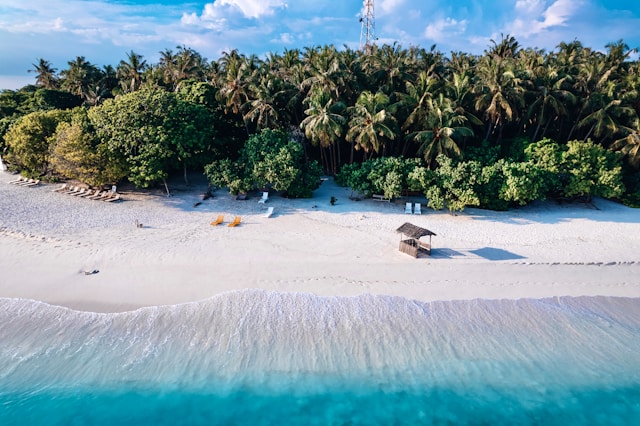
[{"x": 261, "y": 358}]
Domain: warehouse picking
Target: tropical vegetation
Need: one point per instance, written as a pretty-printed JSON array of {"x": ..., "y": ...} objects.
[{"x": 494, "y": 130}]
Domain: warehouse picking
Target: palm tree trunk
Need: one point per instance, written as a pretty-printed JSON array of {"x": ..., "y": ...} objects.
[{"x": 166, "y": 187}]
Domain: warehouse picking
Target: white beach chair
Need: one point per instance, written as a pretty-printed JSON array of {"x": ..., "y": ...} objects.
[
  {"x": 265, "y": 197},
  {"x": 18, "y": 181},
  {"x": 269, "y": 212},
  {"x": 61, "y": 188},
  {"x": 29, "y": 182},
  {"x": 407, "y": 208},
  {"x": 417, "y": 209}
]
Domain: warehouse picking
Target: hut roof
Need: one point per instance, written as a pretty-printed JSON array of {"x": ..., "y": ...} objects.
[{"x": 413, "y": 231}]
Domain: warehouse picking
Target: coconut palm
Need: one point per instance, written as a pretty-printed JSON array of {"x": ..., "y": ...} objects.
[
  {"x": 262, "y": 108},
  {"x": 46, "y": 74},
  {"x": 130, "y": 72},
  {"x": 442, "y": 126},
  {"x": 499, "y": 92},
  {"x": 80, "y": 76},
  {"x": 551, "y": 98},
  {"x": 629, "y": 147},
  {"x": 371, "y": 124},
  {"x": 324, "y": 124}
]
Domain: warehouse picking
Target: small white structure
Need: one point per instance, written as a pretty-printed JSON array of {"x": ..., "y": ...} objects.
[{"x": 3, "y": 168}]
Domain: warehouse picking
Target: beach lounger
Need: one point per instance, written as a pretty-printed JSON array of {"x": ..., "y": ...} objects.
[
  {"x": 23, "y": 182},
  {"x": 407, "y": 208},
  {"x": 235, "y": 222},
  {"x": 114, "y": 197},
  {"x": 64, "y": 187},
  {"x": 79, "y": 193},
  {"x": 269, "y": 212},
  {"x": 88, "y": 193},
  {"x": 97, "y": 195},
  {"x": 218, "y": 221},
  {"x": 17, "y": 181},
  {"x": 417, "y": 209},
  {"x": 72, "y": 190},
  {"x": 265, "y": 197},
  {"x": 29, "y": 182}
]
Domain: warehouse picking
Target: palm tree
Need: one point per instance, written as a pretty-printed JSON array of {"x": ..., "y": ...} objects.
[
  {"x": 414, "y": 101},
  {"x": 324, "y": 123},
  {"x": 629, "y": 147},
  {"x": 324, "y": 70},
  {"x": 80, "y": 76},
  {"x": 130, "y": 72},
  {"x": 499, "y": 92},
  {"x": 606, "y": 118},
  {"x": 371, "y": 123},
  {"x": 262, "y": 106},
  {"x": 443, "y": 125},
  {"x": 550, "y": 98},
  {"x": 46, "y": 74},
  {"x": 389, "y": 68}
]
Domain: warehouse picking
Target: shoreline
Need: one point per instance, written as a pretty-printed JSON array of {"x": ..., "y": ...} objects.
[{"x": 48, "y": 239}]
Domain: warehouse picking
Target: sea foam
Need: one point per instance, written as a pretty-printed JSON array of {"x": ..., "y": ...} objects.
[{"x": 256, "y": 357}]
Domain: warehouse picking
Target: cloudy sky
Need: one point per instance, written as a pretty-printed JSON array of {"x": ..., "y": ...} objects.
[{"x": 103, "y": 31}]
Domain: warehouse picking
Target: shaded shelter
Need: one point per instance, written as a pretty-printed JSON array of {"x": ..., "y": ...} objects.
[{"x": 410, "y": 242}]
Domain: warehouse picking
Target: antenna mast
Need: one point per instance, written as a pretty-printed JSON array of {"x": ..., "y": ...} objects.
[{"x": 368, "y": 29}]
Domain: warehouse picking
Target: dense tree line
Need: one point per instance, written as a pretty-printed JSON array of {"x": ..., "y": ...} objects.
[{"x": 478, "y": 122}]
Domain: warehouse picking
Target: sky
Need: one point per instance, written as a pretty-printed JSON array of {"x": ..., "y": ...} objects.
[{"x": 104, "y": 31}]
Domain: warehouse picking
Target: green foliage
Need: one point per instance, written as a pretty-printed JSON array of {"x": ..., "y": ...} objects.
[
  {"x": 47, "y": 99},
  {"x": 492, "y": 182},
  {"x": 578, "y": 169},
  {"x": 231, "y": 174},
  {"x": 455, "y": 185},
  {"x": 29, "y": 139},
  {"x": 592, "y": 171},
  {"x": 486, "y": 154},
  {"x": 153, "y": 131},
  {"x": 76, "y": 153},
  {"x": 269, "y": 158},
  {"x": 420, "y": 179},
  {"x": 524, "y": 182},
  {"x": 388, "y": 176},
  {"x": 546, "y": 156}
]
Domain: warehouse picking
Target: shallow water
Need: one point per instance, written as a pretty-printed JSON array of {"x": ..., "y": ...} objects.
[{"x": 253, "y": 357}]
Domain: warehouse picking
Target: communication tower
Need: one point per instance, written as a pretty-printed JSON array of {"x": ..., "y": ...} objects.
[{"x": 368, "y": 27}]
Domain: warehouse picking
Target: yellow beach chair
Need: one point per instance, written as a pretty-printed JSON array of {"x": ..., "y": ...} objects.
[
  {"x": 235, "y": 222},
  {"x": 218, "y": 221}
]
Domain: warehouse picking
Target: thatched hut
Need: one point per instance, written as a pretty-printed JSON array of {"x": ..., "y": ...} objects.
[{"x": 410, "y": 239}]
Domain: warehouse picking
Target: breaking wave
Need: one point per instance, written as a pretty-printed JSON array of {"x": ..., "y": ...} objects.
[{"x": 256, "y": 357}]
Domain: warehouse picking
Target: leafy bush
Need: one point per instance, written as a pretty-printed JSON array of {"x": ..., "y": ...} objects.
[
  {"x": 28, "y": 141},
  {"x": 455, "y": 185},
  {"x": 268, "y": 159}
]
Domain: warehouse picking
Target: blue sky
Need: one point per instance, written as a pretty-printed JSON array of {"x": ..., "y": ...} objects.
[{"x": 104, "y": 31}]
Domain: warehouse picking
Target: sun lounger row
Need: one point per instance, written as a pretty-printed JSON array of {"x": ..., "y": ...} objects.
[
  {"x": 220, "y": 219},
  {"x": 90, "y": 194},
  {"x": 22, "y": 181},
  {"x": 416, "y": 209}
]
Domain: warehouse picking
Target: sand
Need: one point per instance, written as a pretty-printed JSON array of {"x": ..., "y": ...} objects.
[{"x": 50, "y": 241}]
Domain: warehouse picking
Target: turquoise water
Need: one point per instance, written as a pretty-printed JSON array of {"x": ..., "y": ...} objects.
[{"x": 254, "y": 357}]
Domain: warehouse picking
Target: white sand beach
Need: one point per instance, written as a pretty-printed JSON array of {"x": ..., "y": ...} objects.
[{"x": 48, "y": 240}]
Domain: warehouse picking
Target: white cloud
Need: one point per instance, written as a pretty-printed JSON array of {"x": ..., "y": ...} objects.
[
  {"x": 443, "y": 28},
  {"x": 389, "y": 7},
  {"x": 559, "y": 12},
  {"x": 285, "y": 38},
  {"x": 534, "y": 16},
  {"x": 253, "y": 9}
]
